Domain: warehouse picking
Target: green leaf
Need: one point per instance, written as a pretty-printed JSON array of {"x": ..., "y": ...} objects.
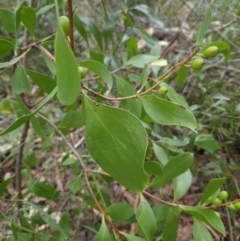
[
  {"x": 132, "y": 46},
  {"x": 146, "y": 219},
  {"x": 73, "y": 119},
  {"x": 181, "y": 76},
  {"x": 20, "y": 82},
  {"x": 12, "y": 61},
  {"x": 160, "y": 153},
  {"x": 18, "y": 13},
  {"x": 206, "y": 142},
  {"x": 126, "y": 89},
  {"x": 50, "y": 64},
  {"x": 20, "y": 121},
  {"x": 161, "y": 213},
  {"x": 6, "y": 46},
  {"x": 140, "y": 60},
  {"x": 181, "y": 184},
  {"x": 69, "y": 160},
  {"x": 170, "y": 231},
  {"x": 212, "y": 187},
  {"x": 7, "y": 19},
  {"x": 45, "y": 83},
  {"x": 173, "y": 168},
  {"x": 100, "y": 70},
  {"x": 145, "y": 9},
  {"x": 28, "y": 17},
  {"x": 153, "y": 168},
  {"x": 65, "y": 224},
  {"x": 117, "y": 141},
  {"x": 80, "y": 28},
  {"x": 144, "y": 76},
  {"x": 120, "y": 212},
  {"x": 74, "y": 184},
  {"x": 42, "y": 189},
  {"x": 131, "y": 237},
  {"x": 4, "y": 184},
  {"x": 167, "y": 113},
  {"x": 200, "y": 232},
  {"x": 94, "y": 30},
  {"x": 97, "y": 56},
  {"x": 68, "y": 77},
  {"x": 103, "y": 233},
  {"x": 204, "y": 26},
  {"x": 207, "y": 216}
]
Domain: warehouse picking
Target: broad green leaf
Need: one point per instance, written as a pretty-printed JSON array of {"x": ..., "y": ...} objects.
[
  {"x": 21, "y": 120},
  {"x": 204, "y": 26},
  {"x": 212, "y": 186},
  {"x": 160, "y": 63},
  {"x": 117, "y": 141},
  {"x": 44, "y": 9},
  {"x": 7, "y": 19},
  {"x": 145, "y": 9},
  {"x": 42, "y": 189},
  {"x": 161, "y": 213},
  {"x": 132, "y": 46},
  {"x": 18, "y": 13},
  {"x": 50, "y": 64},
  {"x": 207, "y": 216},
  {"x": 120, "y": 212},
  {"x": 73, "y": 119},
  {"x": 31, "y": 160},
  {"x": 140, "y": 60},
  {"x": 12, "y": 61},
  {"x": 146, "y": 219},
  {"x": 173, "y": 168},
  {"x": 100, "y": 70},
  {"x": 69, "y": 160},
  {"x": 126, "y": 89},
  {"x": 68, "y": 77},
  {"x": 224, "y": 48},
  {"x": 46, "y": 83},
  {"x": 94, "y": 30},
  {"x": 181, "y": 184},
  {"x": 131, "y": 237},
  {"x": 75, "y": 184},
  {"x": 144, "y": 76},
  {"x": 4, "y": 184},
  {"x": 181, "y": 76},
  {"x": 174, "y": 96},
  {"x": 170, "y": 231},
  {"x": 65, "y": 224},
  {"x": 97, "y": 56},
  {"x": 20, "y": 82},
  {"x": 5, "y": 47},
  {"x": 207, "y": 142},
  {"x": 160, "y": 153},
  {"x": 103, "y": 233},
  {"x": 167, "y": 113},
  {"x": 80, "y": 28},
  {"x": 153, "y": 168},
  {"x": 200, "y": 231},
  {"x": 28, "y": 17}
]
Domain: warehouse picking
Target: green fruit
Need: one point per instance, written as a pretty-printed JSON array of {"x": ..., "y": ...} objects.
[
  {"x": 217, "y": 201},
  {"x": 211, "y": 52},
  {"x": 163, "y": 90},
  {"x": 64, "y": 21},
  {"x": 223, "y": 195},
  {"x": 198, "y": 64},
  {"x": 232, "y": 208},
  {"x": 237, "y": 205},
  {"x": 82, "y": 71}
]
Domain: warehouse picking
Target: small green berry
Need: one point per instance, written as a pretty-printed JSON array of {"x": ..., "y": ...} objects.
[
  {"x": 211, "y": 52},
  {"x": 232, "y": 208},
  {"x": 82, "y": 72},
  {"x": 217, "y": 201},
  {"x": 197, "y": 64},
  {"x": 163, "y": 90},
  {"x": 64, "y": 21},
  {"x": 237, "y": 205},
  {"x": 223, "y": 195}
]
